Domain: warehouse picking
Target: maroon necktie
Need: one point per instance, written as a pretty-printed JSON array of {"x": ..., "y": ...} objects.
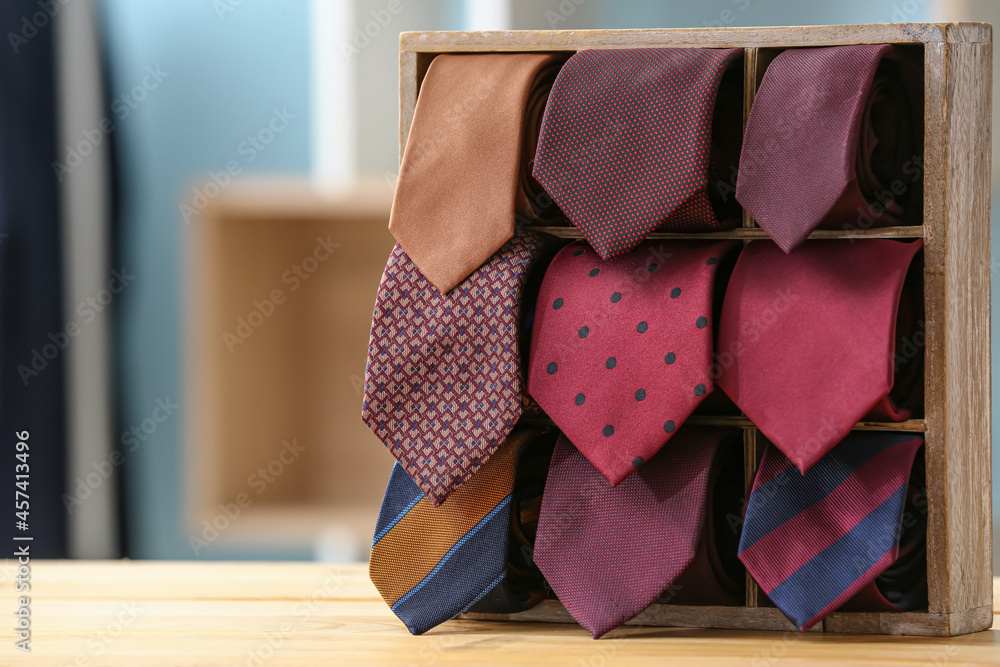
[
  {"x": 621, "y": 350},
  {"x": 609, "y": 552},
  {"x": 634, "y": 139},
  {"x": 807, "y": 341},
  {"x": 830, "y": 143},
  {"x": 443, "y": 380}
]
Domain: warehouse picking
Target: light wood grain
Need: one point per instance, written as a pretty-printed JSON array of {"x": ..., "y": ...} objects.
[
  {"x": 158, "y": 614},
  {"x": 798, "y": 36},
  {"x": 755, "y": 233},
  {"x": 909, "y": 425},
  {"x": 967, "y": 505}
]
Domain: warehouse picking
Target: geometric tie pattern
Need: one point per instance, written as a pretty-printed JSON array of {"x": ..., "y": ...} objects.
[
  {"x": 626, "y": 142},
  {"x": 443, "y": 378}
]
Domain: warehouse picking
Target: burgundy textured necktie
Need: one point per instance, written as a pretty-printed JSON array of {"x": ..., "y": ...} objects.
[
  {"x": 609, "y": 552},
  {"x": 443, "y": 379},
  {"x": 807, "y": 340},
  {"x": 463, "y": 176},
  {"x": 637, "y": 139},
  {"x": 621, "y": 350},
  {"x": 830, "y": 143}
]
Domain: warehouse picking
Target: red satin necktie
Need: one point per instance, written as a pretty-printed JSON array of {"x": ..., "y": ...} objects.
[{"x": 807, "y": 340}]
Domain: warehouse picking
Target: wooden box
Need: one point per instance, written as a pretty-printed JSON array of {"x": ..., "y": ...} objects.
[
  {"x": 293, "y": 372},
  {"x": 956, "y": 61}
]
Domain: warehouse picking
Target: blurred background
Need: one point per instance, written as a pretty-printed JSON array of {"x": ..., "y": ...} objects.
[{"x": 193, "y": 200}]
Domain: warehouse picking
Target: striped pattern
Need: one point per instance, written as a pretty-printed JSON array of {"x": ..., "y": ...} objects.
[
  {"x": 432, "y": 563},
  {"x": 812, "y": 541}
]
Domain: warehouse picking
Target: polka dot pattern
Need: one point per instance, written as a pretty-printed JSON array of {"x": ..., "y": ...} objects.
[
  {"x": 650, "y": 113},
  {"x": 630, "y": 363}
]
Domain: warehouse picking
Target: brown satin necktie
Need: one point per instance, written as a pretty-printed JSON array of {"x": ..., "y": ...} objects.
[{"x": 461, "y": 181}]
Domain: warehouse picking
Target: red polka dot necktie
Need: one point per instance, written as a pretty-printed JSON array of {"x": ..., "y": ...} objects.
[
  {"x": 609, "y": 552},
  {"x": 621, "y": 350},
  {"x": 443, "y": 379},
  {"x": 808, "y": 341},
  {"x": 830, "y": 143},
  {"x": 637, "y": 139}
]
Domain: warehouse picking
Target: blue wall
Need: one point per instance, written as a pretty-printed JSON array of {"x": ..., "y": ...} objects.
[{"x": 225, "y": 75}]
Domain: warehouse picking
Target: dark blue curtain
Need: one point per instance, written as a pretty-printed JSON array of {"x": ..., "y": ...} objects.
[{"x": 31, "y": 307}]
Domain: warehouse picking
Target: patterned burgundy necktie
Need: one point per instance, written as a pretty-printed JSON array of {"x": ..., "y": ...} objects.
[
  {"x": 634, "y": 139},
  {"x": 443, "y": 380},
  {"x": 621, "y": 350},
  {"x": 815, "y": 541},
  {"x": 609, "y": 552},
  {"x": 807, "y": 341},
  {"x": 829, "y": 142}
]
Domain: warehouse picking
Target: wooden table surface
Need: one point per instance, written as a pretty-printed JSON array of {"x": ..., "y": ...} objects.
[{"x": 147, "y": 614}]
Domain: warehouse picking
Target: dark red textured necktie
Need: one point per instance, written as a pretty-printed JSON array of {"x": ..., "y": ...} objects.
[
  {"x": 830, "y": 143},
  {"x": 634, "y": 139},
  {"x": 807, "y": 341},
  {"x": 621, "y": 350},
  {"x": 609, "y": 552}
]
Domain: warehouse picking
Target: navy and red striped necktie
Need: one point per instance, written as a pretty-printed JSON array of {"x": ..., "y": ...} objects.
[{"x": 814, "y": 541}]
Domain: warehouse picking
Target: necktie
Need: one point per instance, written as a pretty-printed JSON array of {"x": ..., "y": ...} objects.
[
  {"x": 830, "y": 142},
  {"x": 813, "y": 541},
  {"x": 633, "y": 140},
  {"x": 461, "y": 172},
  {"x": 609, "y": 552},
  {"x": 432, "y": 563},
  {"x": 621, "y": 350},
  {"x": 443, "y": 379},
  {"x": 807, "y": 341}
]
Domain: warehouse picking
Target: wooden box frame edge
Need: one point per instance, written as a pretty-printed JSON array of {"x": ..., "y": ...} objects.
[{"x": 957, "y": 271}]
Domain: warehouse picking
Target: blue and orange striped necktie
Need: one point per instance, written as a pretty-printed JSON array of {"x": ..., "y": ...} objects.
[
  {"x": 815, "y": 541},
  {"x": 432, "y": 563}
]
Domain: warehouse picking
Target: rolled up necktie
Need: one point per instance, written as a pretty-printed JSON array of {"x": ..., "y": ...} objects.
[
  {"x": 443, "y": 379},
  {"x": 432, "y": 563},
  {"x": 832, "y": 141},
  {"x": 807, "y": 343},
  {"x": 841, "y": 532},
  {"x": 639, "y": 139},
  {"x": 622, "y": 349},
  {"x": 608, "y": 552},
  {"x": 463, "y": 176}
]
